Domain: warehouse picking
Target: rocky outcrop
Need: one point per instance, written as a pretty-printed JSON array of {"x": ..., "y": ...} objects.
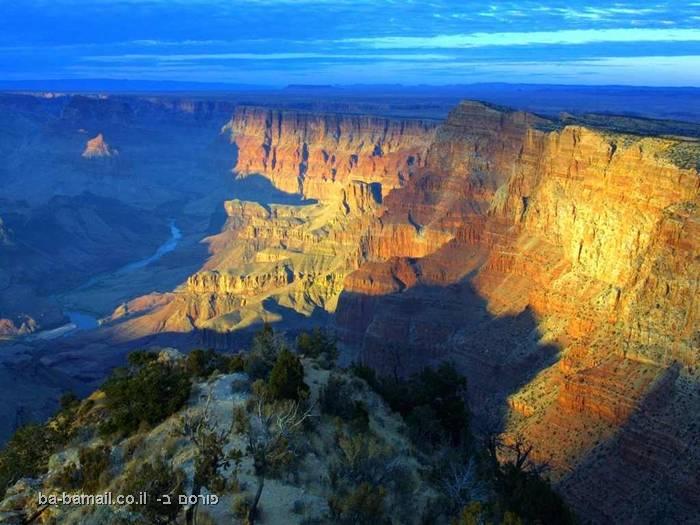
[
  {"x": 269, "y": 263},
  {"x": 97, "y": 147},
  {"x": 316, "y": 155}
]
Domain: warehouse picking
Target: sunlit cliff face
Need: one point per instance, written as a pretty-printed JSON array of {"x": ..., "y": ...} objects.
[{"x": 556, "y": 265}]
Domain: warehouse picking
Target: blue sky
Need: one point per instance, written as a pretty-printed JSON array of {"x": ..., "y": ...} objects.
[{"x": 277, "y": 42}]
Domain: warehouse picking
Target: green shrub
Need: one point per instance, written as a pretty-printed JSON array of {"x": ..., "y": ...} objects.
[
  {"x": 267, "y": 344},
  {"x": 236, "y": 363},
  {"x": 146, "y": 393},
  {"x": 263, "y": 353},
  {"x": 201, "y": 363},
  {"x": 287, "y": 378},
  {"x": 433, "y": 396},
  {"x": 366, "y": 373},
  {"x": 336, "y": 400},
  {"x": 68, "y": 478},
  {"x": 140, "y": 358},
  {"x": 334, "y": 397},
  {"x": 317, "y": 343},
  {"x": 93, "y": 463},
  {"x": 68, "y": 401},
  {"x": 241, "y": 506},
  {"x": 257, "y": 367},
  {"x": 531, "y": 497},
  {"x": 27, "y": 453},
  {"x": 359, "y": 506}
]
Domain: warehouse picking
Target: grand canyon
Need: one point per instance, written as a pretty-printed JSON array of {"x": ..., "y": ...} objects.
[{"x": 553, "y": 259}]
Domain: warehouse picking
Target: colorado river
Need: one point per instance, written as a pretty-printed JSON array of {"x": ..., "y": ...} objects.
[
  {"x": 80, "y": 320},
  {"x": 167, "y": 247}
]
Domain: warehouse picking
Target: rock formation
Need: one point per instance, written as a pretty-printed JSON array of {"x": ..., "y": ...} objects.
[
  {"x": 277, "y": 259},
  {"x": 566, "y": 285},
  {"x": 316, "y": 155},
  {"x": 97, "y": 147},
  {"x": 557, "y": 264}
]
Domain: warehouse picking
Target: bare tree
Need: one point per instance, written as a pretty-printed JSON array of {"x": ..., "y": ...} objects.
[
  {"x": 518, "y": 453},
  {"x": 462, "y": 484},
  {"x": 210, "y": 458},
  {"x": 271, "y": 428}
]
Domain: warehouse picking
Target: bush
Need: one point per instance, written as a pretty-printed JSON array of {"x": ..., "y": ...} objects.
[
  {"x": 433, "y": 397},
  {"x": 361, "y": 505},
  {"x": 146, "y": 393},
  {"x": 530, "y": 496},
  {"x": 336, "y": 400},
  {"x": 68, "y": 478},
  {"x": 287, "y": 378},
  {"x": 267, "y": 344},
  {"x": 316, "y": 344},
  {"x": 236, "y": 363},
  {"x": 68, "y": 401},
  {"x": 257, "y": 367},
  {"x": 156, "y": 479},
  {"x": 93, "y": 463},
  {"x": 366, "y": 373},
  {"x": 263, "y": 353},
  {"x": 201, "y": 363},
  {"x": 241, "y": 506},
  {"x": 27, "y": 454}
]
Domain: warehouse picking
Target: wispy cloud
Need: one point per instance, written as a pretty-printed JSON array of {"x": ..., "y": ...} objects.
[
  {"x": 189, "y": 57},
  {"x": 336, "y": 41},
  {"x": 562, "y": 37}
]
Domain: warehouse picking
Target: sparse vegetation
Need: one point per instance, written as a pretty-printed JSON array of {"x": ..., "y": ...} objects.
[
  {"x": 209, "y": 440},
  {"x": 162, "y": 483},
  {"x": 336, "y": 399},
  {"x": 417, "y": 464},
  {"x": 318, "y": 344},
  {"x": 522, "y": 490},
  {"x": 94, "y": 462},
  {"x": 432, "y": 403},
  {"x": 27, "y": 453},
  {"x": 269, "y": 441}
]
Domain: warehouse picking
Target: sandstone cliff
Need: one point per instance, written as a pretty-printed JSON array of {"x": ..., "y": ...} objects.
[
  {"x": 566, "y": 286},
  {"x": 557, "y": 265},
  {"x": 288, "y": 262},
  {"x": 315, "y": 155}
]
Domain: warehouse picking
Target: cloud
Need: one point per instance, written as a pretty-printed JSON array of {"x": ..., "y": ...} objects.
[
  {"x": 641, "y": 70},
  {"x": 189, "y": 57},
  {"x": 561, "y": 37}
]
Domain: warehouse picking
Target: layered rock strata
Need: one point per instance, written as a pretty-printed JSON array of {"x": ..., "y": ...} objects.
[
  {"x": 557, "y": 265},
  {"x": 566, "y": 290},
  {"x": 288, "y": 262},
  {"x": 316, "y": 155}
]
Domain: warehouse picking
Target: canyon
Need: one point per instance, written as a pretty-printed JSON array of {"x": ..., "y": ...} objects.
[
  {"x": 555, "y": 261},
  {"x": 556, "y": 264}
]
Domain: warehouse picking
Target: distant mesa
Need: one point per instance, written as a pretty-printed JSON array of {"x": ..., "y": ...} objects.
[{"x": 97, "y": 147}]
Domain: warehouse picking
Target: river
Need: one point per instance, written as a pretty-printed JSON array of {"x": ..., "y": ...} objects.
[{"x": 87, "y": 321}]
